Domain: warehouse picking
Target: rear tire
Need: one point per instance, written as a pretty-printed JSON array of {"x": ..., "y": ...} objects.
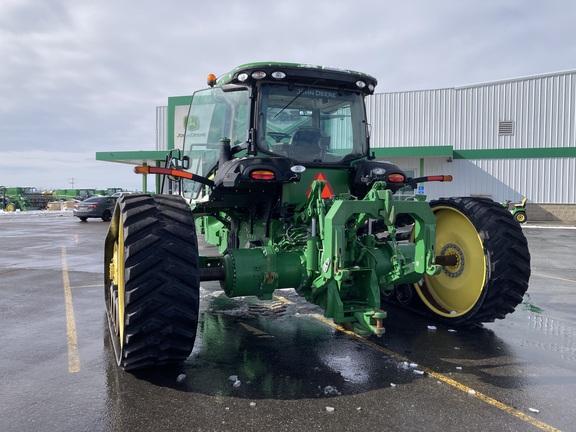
[
  {"x": 106, "y": 216},
  {"x": 493, "y": 262},
  {"x": 520, "y": 217},
  {"x": 152, "y": 283}
]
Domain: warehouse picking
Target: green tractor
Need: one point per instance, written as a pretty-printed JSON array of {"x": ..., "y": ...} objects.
[
  {"x": 77, "y": 194},
  {"x": 30, "y": 198},
  {"x": 5, "y": 201},
  {"x": 276, "y": 172},
  {"x": 12, "y": 199}
]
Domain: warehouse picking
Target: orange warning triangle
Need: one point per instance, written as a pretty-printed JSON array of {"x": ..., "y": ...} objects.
[{"x": 327, "y": 192}]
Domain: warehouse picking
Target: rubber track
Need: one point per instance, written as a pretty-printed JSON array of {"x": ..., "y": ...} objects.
[
  {"x": 507, "y": 258},
  {"x": 161, "y": 280}
]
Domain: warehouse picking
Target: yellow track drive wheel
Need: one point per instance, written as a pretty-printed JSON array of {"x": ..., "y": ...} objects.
[
  {"x": 491, "y": 262},
  {"x": 151, "y": 280}
]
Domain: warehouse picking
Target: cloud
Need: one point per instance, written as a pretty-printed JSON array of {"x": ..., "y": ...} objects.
[{"x": 48, "y": 170}]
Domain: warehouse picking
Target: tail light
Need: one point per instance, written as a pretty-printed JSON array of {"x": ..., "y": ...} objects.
[
  {"x": 262, "y": 175},
  {"x": 396, "y": 178}
]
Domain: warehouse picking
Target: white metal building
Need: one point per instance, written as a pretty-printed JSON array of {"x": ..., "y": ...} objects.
[{"x": 506, "y": 139}]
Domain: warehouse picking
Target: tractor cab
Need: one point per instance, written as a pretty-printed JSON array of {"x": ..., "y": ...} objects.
[
  {"x": 266, "y": 123},
  {"x": 311, "y": 125}
]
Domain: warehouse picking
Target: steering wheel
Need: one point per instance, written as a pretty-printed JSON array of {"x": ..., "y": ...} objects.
[{"x": 278, "y": 136}]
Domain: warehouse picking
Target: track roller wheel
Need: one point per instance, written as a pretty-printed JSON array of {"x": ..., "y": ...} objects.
[
  {"x": 151, "y": 280},
  {"x": 492, "y": 266}
]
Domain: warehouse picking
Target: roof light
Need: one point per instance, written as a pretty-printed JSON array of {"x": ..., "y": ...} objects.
[
  {"x": 278, "y": 75},
  {"x": 211, "y": 80},
  {"x": 396, "y": 178},
  {"x": 298, "y": 169},
  {"x": 360, "y": 84},
  {"x": 258, "y": 75},
  {"x": 379, "y": 171},
  {"x": 262, "y": 175},
  {"x": 243, "y": 77},
  {"x": 370, "y": 87}
]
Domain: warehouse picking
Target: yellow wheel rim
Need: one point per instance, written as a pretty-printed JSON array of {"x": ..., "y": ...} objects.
[
  {"x": 456, "y": 290},
  {"x": 117, "y": 276},
  {"x": 520, "y": 217}
]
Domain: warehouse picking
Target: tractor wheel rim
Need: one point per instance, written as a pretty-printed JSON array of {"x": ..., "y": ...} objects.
[
  {"x": 456, "y": 290},
  {"x": 117, "y": 289}
]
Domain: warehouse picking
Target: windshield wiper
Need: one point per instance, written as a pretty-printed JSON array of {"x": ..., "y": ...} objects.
[{"x": 294, "y": 98}]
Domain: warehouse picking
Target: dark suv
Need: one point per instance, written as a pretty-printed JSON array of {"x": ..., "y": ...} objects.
[{"x": 95, "y": 207}]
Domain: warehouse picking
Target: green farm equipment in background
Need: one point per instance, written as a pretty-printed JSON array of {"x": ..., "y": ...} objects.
[
  {"x": 82, "y": 194},
  {"x": 29, "y": 198},
  {"x": 110, "y": 191},
  {"x": 6, "y": 201},
  {"x": 518, "y": 210},
  {"x": 277, "y": 173},
  {"x": 74, "y": 194},
  {"x": 25, "y": 198}
]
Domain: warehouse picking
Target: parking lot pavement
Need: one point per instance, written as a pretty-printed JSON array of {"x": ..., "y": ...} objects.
[{"x": 296, "y": 370}]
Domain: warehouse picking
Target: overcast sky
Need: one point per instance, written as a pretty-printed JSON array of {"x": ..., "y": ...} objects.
[{"x": 78, "y": 77}]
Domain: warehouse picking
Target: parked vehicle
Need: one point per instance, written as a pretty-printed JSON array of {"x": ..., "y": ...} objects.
[
  {"x": 95, "y": 207},
  {"x": 518, "y": 210},
  {"x": 277, "y": 173}
]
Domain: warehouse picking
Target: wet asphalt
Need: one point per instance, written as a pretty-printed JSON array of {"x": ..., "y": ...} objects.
[{"x": 275, "y": 365}]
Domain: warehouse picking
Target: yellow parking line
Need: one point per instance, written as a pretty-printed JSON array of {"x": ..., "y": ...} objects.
[
  {"x": 73, "y": 355},
  {"x": 512, "y": 411},
  {"x": 554, "y": 277}
]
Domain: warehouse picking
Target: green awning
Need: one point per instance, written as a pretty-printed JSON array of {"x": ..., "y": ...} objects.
[{"x": 415, "y": 151}]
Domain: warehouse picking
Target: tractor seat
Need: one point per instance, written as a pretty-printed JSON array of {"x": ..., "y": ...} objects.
[
  {"x": 306, "y": 142},
  {"x": 522, "y": 203}
]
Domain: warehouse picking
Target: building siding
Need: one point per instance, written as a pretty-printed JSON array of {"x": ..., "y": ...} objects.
[
  {"x": 542, "y": 110},
  {"x": 543, "y": 181},
  {"x": 162, "y": 128},
  {"x": 409, "y": 119}
]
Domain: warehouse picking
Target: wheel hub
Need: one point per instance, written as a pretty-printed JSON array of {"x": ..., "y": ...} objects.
[{"x": 454, "y": 250}]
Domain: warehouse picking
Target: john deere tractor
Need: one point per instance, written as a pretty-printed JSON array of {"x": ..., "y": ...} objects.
[{"x": 276, "y": 172}]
